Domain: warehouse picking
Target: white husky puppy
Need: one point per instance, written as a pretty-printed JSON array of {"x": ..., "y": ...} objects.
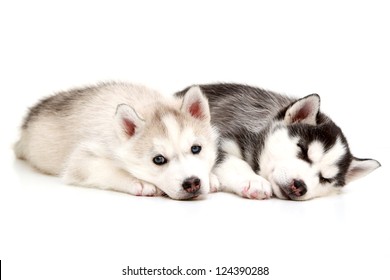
[{"x": 123, "y": 137}]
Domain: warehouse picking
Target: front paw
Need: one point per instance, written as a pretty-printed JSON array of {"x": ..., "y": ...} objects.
[
  {"x": 147, "y": 189},
  {"x": 255, "y": 188},
  {"x": 214, "y": 183}
]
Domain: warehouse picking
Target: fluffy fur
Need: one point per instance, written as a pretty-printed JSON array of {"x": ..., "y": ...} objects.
[
  {"x": 123, "y": 137},
  {"x": 273, "y": 144}
]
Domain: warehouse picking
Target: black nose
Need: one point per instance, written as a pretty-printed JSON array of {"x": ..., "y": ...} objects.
[
  {"x": 191, "y": 184},
  {"x": 298, "y": 188}
]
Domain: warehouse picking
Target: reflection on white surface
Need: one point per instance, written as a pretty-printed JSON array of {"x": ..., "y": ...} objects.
[{"x": 93, "y": 230}]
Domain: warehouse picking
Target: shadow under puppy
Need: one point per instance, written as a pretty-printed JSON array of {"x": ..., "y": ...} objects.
[
  {"x": 273, "y": 144},
  {"x": 123, "y": 137}
]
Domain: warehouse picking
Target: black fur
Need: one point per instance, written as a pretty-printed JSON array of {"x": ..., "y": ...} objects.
[{"x": 234, "y": 120}]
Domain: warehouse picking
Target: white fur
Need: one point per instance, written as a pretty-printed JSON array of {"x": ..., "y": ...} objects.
[
  {"x": 327, "y": 164},
  {"x": 229, "y": 146},
  {"x": 315, "y": 151},
  {"x": 172, "y": 128},
  {"x": 236, "y": 176},
  {"x": 108, "y": 136},
  {"x": 282, "y": 166}
]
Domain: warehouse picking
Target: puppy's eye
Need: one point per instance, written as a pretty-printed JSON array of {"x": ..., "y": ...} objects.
[
  {"x": 195, "y": 149},
  {"x": 325, "y": 180},
  {"x": 159, "y": 160},
  {"x": 303, "y": 148}
]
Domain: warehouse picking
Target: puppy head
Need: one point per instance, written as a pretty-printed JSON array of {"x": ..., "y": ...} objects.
[
  {"x": 173, "y": 148},
  {"x": 305, "y": 155}
]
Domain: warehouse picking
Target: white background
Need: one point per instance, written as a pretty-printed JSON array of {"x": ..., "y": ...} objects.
[{"x": 337, "y": 49}]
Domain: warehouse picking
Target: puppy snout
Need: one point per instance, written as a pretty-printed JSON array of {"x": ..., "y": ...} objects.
[
  {"x": 191, "y": 184},
  {"x": 298, "y": 188}
]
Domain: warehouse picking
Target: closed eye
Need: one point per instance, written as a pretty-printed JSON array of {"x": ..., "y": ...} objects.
[
  {"x": 303, "y": 148},
  {"x": 325, "y": 180}
]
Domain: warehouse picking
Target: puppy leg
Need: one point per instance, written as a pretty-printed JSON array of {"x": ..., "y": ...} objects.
[
  {"x": 236, "y": 176},
  {"x": 215, "y": 186},
  {"x": 85, "y": 168}
]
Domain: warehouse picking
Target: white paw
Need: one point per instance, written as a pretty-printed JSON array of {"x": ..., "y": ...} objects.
[
  {"x": 147, "y": 189},
  {"x": 214, "y": 183},
  {"x": 256, "y": 188}
]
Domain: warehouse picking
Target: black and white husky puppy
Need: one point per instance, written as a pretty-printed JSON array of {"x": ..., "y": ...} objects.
[{"x": 273, "y": 144}]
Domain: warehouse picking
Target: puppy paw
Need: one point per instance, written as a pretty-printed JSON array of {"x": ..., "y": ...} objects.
[
  {"x": 214, "y": 183},
  {"x": 147, "y": 189},
  {"x": 256, "y": 188}
]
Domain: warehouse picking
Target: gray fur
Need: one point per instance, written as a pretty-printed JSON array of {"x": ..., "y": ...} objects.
[
  {"x": 246, "y": 117},
  {"x": 244, "y": 114}
]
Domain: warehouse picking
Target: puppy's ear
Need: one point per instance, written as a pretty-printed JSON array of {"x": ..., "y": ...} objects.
[
  {"x": 127, "y": 122},
  {"x": 304, "y": 110},
  {"x": 196, "y": 104},
  {"x": 360, "y": 168}
]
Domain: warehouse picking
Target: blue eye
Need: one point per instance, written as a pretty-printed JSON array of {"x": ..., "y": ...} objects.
[
  {"x": 195, "y": 149},
  {"x": 159, "y": 160}
]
